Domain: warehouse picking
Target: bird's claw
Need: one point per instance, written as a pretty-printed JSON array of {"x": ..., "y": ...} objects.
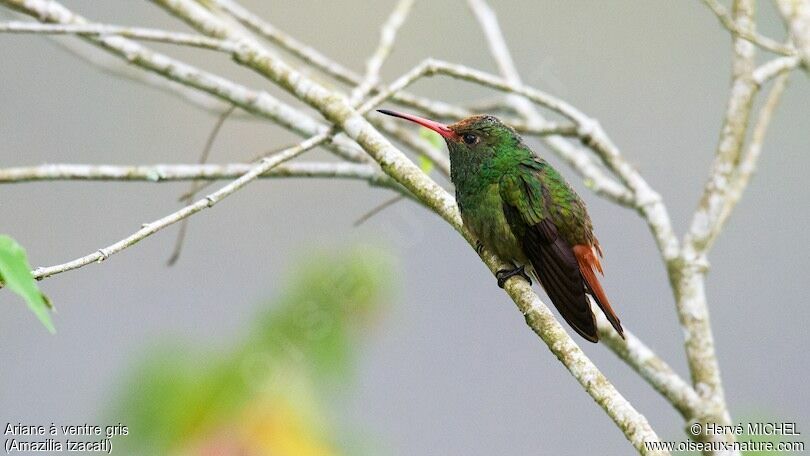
[
  {"x": 479, "y": 247},
  {"x": 504, "y": 274}
]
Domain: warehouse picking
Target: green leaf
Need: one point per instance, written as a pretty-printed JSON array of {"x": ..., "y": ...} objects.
[
  {"x": 432, "y": 137},
  {"x": 425, "y": 164},
  {"x": 15, "y": 273},
  {"x": 435, "y": 140}
]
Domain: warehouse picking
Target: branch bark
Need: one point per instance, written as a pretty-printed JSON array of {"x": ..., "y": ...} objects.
[
  {"x": 689, "y": 279},
  {"x": 148, "y": 229},
  {"x": 796, "y": 14},
  {"x": 190, "y": 172}
]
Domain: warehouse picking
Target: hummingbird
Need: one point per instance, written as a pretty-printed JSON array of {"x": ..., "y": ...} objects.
[{"x": 521, "y": 208}]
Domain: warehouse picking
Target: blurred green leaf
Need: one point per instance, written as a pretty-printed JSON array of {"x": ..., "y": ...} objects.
[
  {"x": 425, "y": 163},
  {"x": 432, "y": 137},
  {"x": 300, "y": 343},
  {"x": 15, "y": 273}
]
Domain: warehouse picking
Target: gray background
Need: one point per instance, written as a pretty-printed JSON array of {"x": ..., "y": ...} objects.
[{"x": 452, "y": 369}]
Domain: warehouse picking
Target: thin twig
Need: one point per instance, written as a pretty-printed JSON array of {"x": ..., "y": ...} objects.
[
  {"x": 210, "y": 200},
  {"x": 388, "y": 35},
  {"x": 377, "y": 209},
  {"x": 313, "y": 57},
  {"x": 796, "y": 14},
  {"x": 751, "y": 35},
  {"x": 189, "y": 172},
  {"x": 118, "y": 68},
  {"x": 258, "y": 102},
  {"x": 138, "y": 33},
  {"x": 773, "y": 68},
  {"x": 575, "y": 157},
  {"x": 192, "y": 191}
]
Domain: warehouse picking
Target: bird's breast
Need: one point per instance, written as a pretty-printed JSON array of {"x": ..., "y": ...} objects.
[{"x": 482, "y": 213}]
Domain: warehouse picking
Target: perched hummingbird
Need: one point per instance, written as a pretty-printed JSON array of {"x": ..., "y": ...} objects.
[{"x": 521, "y": 208}]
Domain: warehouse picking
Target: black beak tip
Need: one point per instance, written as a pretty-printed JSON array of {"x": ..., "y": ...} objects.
[{"x": 386, "y": 112}]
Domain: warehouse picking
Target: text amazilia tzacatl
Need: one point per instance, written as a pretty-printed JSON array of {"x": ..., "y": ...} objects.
[{"x": 521, "y": 208}]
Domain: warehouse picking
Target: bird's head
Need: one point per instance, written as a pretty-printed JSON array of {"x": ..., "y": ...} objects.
[{"x": 484, "y": 134}]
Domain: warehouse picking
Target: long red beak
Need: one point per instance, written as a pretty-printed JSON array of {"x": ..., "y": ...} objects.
[{"x": 438, "y": 127}]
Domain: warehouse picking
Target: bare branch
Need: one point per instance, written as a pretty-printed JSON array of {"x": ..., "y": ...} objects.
[
  {"x": 775, "y": 67},
  {"x": 188, "y": 172},
  {"x": 577, "y": 158},
  {"x": 388, "y": 34},
  {"x": 748, "y": 163},
  {"x": 796, "y": 13},
  {"x": 97, "y": 30},
  {"x": 312, "y": 57},
  {"x": 747, "y": 34},
  {"x": 261, "y": 103},
  {"x": 196, "y": 187},
  {"x": 119, "y": 68},
  {"x": 371, "y": 79},
  {"x": 689, "y": 279},
  {"x": 743, "y": 89},
  {"x": 652, "y": 369},
  {"x": 151, "y": 228}
]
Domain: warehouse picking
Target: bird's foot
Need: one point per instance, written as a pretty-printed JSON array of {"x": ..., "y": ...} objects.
[
  {"x": 504, "y": 274},
  {"x": 479, "y": 247}
]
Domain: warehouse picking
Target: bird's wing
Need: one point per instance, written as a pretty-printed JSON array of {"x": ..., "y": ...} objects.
[{"x": 530, "y": 211}]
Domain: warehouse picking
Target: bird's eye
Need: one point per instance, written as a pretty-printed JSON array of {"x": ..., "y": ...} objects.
[{"x": 469, "y": 138}]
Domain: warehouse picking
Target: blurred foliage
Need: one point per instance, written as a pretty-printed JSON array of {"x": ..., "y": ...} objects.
[
  {"x": 15, "y": 274},
  {"x": 435, "y": 140},
  {"x": 266, "y": 395}
]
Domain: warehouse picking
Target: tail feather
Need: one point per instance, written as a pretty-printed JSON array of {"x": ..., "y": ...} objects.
[{"x": 588, "y": 265}]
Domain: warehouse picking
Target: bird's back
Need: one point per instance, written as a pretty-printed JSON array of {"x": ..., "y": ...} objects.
[{"x": 552, "y": 225}]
